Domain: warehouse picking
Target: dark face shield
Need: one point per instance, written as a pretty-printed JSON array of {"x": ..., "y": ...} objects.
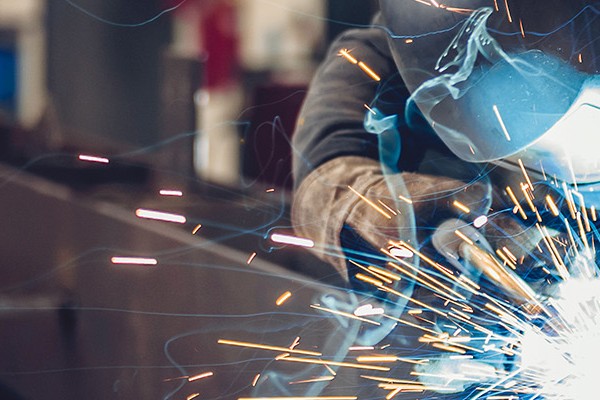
[{"x": 506, "y": 80}]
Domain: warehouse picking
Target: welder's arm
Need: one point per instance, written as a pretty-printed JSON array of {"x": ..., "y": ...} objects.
[
  {"x": 324, "y": 204},
  {"x": 333, "y": 150}
]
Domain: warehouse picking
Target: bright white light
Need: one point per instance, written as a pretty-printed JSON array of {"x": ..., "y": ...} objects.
[
  {"x": 160, "y": 216},
  {"x": 293, "y": 240},
  {"x": 134, "y": 260},
  {"x": 401, "y": 252},
  {"x": 480, "y": 221},
  {"x": 165, "y": 192},
  {"x": 565, "y": 362},
  {"x": 102, "y": 160},
  {"x": 368, "y": 309}
]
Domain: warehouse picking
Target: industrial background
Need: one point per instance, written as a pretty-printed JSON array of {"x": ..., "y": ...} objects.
[{"x": 103, "y": 104}]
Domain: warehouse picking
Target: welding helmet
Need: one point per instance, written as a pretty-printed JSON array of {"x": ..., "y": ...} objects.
[{"x": 506, "y": 80}]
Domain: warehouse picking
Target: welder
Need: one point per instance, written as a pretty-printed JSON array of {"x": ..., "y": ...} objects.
[{"x": 466, "y": 95}]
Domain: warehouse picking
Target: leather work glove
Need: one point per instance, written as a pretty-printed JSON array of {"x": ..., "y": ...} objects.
[{"x": 353, "y": 192}]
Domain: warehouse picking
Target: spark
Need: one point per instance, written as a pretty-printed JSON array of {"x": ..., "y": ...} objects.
[
  {"x": 196, "y": 229},
  {"x": 192, "y": 396},
  {"x": 134, "y": 260},
  {"x": 370, "y": 109},
  {"x": 293, "y": 240},
  {"x": 168, "y": 192},
  {"x": 367, "y": 70},
  {"x": 252, "y": 256},
  {"x": 387, "y": 207},
  {"x": 295, "y": 343},
  {"x": 512, "y": 196},
  {"x": 281, "y": 299},
  {"x": 345, "y": 53},
  {"x": 497, "y": 112},
  {"x": 401, "y": 252},
  {"x": 271, "y": 190},
  {"x": 508, "y": 11},
  {"x": 101, "y": 160},
  {"x": 361, "y": 348},
  {"x": 461, "y": 207},
  {"x": 368, "y": 310},
  {"x": 405, "y": 199},
  {"x": 334, "y": 363},
  {"x": 552, "y": 205},
  {"x": 376, "y": 359},
  {"x": 160, "y": 216},
  {"x": 344, "y": 314},
  {"x": 200, "y": 376},
  {"x": 369, "y": 202},
  {"x": 255, "y": 380},
  {"x": 521, "y": 27},
  {"x": 267, "y": 347},
  {"x": 480, "y": 221},
  {"x": 463, "y": 237},
  {"x": 316, "y": 379},
  {"x": 301, "y": 398},
  {"x": 525, "y": 174}
]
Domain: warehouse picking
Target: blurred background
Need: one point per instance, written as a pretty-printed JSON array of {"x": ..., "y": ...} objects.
[
  {"x": 114, "y": 77},
  {"x": 196, "y": 96}
]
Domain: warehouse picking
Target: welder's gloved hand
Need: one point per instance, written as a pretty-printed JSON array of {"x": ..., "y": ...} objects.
[{"x": 324, "y": 204}]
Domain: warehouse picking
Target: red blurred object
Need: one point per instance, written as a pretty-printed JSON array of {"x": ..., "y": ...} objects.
[{"x": 218, "y": 30}]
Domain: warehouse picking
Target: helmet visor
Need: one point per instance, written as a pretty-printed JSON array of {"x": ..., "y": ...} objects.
[{"x": 493, "y": 77}]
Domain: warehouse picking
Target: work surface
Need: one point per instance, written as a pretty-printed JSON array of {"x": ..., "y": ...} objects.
[{"x": 75, "y": 325}]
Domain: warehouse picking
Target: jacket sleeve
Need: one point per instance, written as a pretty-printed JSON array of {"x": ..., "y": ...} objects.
[{"x": 330, "y": 124}]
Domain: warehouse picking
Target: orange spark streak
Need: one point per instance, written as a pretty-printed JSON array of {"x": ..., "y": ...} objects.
[
  {"x": 267, "y": 347},
  {"x": 281, "y": 299},
  {"x": 461, "y": 207},
  {"x": 200, "y": 376},
  {"x": 369, "y": 202},
  {"x": 335, "y": 363}
]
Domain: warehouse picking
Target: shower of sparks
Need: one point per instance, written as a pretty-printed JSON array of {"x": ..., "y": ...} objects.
[
  {"x": 134, "y": 260},
  {"x": 101, "y": 160},
  {"x": 293, "y": 240},
  {"x": 160, "y": 216},
  {"x": 552, "y": 341}
]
